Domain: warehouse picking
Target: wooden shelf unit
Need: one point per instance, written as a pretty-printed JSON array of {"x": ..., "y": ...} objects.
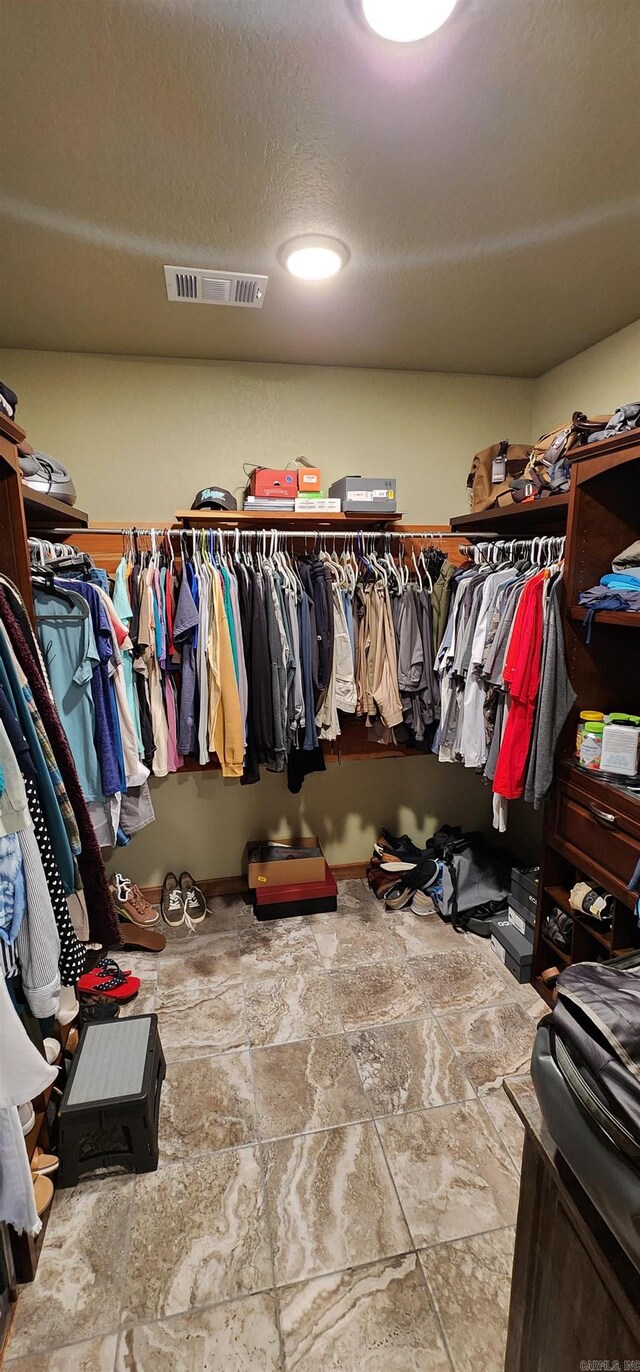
[
  {"x": 44, "y": 512},
  {"x": 620, "y": 619},
  {"x": 546, "y": 516},
  {"x": 282, "y": 519},
  {"x": 592, "y": 824}
]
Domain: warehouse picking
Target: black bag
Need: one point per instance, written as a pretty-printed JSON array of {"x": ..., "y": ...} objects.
[
  {"x": 475, "y": 882},
  {"x": 586, "y": 1072}
]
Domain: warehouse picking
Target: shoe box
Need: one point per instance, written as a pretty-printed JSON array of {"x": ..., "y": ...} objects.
[
  {"x": 523, "y": 898},
  {"x": 270, "y": 484},
  {"x": 302, "y": 862},
  {"x": 296, "y": 898},
  {"x": 514, "y": 949},
  {"x": 365, "y": 494}
]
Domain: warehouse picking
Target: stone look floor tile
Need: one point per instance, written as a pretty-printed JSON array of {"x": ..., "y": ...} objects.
[
  {"x": 305, "y": 1086},
  {"x": 377, "y": 994},
  {"x": 277, "y": 948},
  {"x": 506, "y": 1121},
  {"x": 378, "y": 1318},
  {"x": 355, "y": 896},
  {"x": 460, "y": 978},
  {"x": 408, "y": 1066},
  {"x": 238, "y": 1337},
  {"x": 297, "y": 1006},
  {"x": 206, "y": 1104},
  {"x": 422, "y": 934},
  {"x": 470, "y": 1283},
  {"x": 93, "y": 1355},
  {"x": 351, "y": 937},
  {"x": 331, "y": 1203},
  {"x": 199, "y": 1235},
  {"x": 452, "y": 1173},
  {"x": 215, "y": 1025},
  {"x": 491, "y": 1044},
  {"x": 183, "y": 980},
  {"x": 78, "y": 1285}
]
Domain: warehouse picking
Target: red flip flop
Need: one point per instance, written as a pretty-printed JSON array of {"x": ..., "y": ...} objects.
[{"x": 106, "y": 981}]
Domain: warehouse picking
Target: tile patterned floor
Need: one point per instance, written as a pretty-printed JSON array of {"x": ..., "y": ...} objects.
[{"x": 338, "y": 1172}]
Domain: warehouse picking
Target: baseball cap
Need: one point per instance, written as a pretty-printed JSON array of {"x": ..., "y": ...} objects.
[{"x": 214, "y": 498}]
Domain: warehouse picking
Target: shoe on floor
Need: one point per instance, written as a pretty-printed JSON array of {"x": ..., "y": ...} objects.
[
  {"x": 388, "y": 846},
  {"x": 129, "y": 902},
  {"x": 172, "y": 902},
  {"x": 108, "y": 979},
  {"x": 422, "y": 904},
  {"x": 52, "y": 1050},
  {"x": 27, "y": 1117},
  {"x": 424, "y": 875},
  {"x": 140, "y": 936},
  {"x": 43, "y": 1164},
  {"x": 67, "y": 1005},
  {"x": 195, "y": 905},
  {"x": 42, "y": 1193}
]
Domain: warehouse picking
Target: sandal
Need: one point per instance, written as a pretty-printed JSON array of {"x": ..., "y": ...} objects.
[
  {"x": 43, "y": 1164},
  {"x": 140, "y": 936},
  {"x": 107, "y": 979},
  {"x": 42, "y": 1193}
]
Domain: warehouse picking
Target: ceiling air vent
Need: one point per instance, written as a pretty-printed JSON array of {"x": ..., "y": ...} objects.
[{"x": 199, "y": 286}]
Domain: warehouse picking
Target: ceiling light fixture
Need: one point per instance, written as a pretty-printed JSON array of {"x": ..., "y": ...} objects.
[
  {"x": 406, "y": 21},
  {"x": 313, "y": 257}
]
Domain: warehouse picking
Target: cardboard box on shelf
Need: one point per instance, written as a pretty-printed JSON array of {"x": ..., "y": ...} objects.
[
  {"x": 270, "y": 483},
  {"x": 366, "y": 494},
  {"x": 308, "y": 476},
  {"x": 265, "y": 868}
]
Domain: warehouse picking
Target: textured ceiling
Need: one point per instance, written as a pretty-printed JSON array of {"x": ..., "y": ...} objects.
[{"x": 486, "y": 182}]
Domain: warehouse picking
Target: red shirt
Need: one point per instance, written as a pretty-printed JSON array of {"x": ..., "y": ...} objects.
[{"x": 522, "y": 680}]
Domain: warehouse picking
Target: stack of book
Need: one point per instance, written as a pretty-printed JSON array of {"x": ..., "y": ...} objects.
[{"x": 276, "y": 504}]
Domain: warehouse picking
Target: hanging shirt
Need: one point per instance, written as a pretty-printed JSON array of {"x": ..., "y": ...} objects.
[
  {"x": 522, "y": 678},
  {"x": 68, "y": 644},
  {"x": 185, "y": 624}
]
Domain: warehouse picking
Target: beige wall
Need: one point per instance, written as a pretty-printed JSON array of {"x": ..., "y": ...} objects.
[
  {"x": 142, "y": 435},
  {"x": 595, "y": 381}
]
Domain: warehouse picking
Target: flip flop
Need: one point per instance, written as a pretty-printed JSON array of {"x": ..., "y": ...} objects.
[
  {"x": 104, "y": 981},
  {"x": 43, "y": 1164},
  {"x": 137, "y": 936},
  {"x": 42, "y": 1193}
]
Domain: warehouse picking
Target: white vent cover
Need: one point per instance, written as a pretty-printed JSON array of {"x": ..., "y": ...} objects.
[{"x": 199, "y": 286}]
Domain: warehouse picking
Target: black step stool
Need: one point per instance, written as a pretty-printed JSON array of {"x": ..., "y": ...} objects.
[{"x": 108, "y": 1115}]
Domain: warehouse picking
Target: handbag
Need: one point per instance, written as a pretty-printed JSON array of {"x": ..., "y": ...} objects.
[{"x": 493, "y": 472}]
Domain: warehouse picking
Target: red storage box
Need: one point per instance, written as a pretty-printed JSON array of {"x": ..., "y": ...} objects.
[
  {"x": 270, "y": 484},
  {"x": 298, "y": 898}
]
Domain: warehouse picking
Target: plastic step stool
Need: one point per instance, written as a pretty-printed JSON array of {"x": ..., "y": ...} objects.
[{"x": 109, "y": 1112}]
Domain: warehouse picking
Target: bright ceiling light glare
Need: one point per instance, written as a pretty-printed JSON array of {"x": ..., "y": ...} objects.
[
  {"x": 407, "y": 21},
  {"x": 313, "y": 257}
]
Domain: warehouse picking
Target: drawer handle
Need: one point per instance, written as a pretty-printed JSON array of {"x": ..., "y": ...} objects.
[{"x": 604, "y": 816}]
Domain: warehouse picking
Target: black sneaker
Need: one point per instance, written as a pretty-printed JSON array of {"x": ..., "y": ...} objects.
[{"x": 402, "y": 849}]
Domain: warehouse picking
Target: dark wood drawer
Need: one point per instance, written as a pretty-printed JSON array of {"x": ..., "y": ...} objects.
[{"x": 598, "y": 836}]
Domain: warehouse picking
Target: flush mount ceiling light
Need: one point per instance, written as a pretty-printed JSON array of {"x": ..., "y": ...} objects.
[
  {"x": 406, "y": 21},
  {"x": 313, "y": 257}
]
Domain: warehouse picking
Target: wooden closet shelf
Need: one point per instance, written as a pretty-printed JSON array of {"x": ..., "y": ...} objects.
[
  {"x": 547, "y": 516},
  {"x": 624, "y": 619},
  {"x": 283, "y": 519},
  {"x": 45, "y": 512}
]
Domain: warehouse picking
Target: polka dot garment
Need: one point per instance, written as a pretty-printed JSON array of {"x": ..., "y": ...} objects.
[{"x": 72, "y": 951}]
